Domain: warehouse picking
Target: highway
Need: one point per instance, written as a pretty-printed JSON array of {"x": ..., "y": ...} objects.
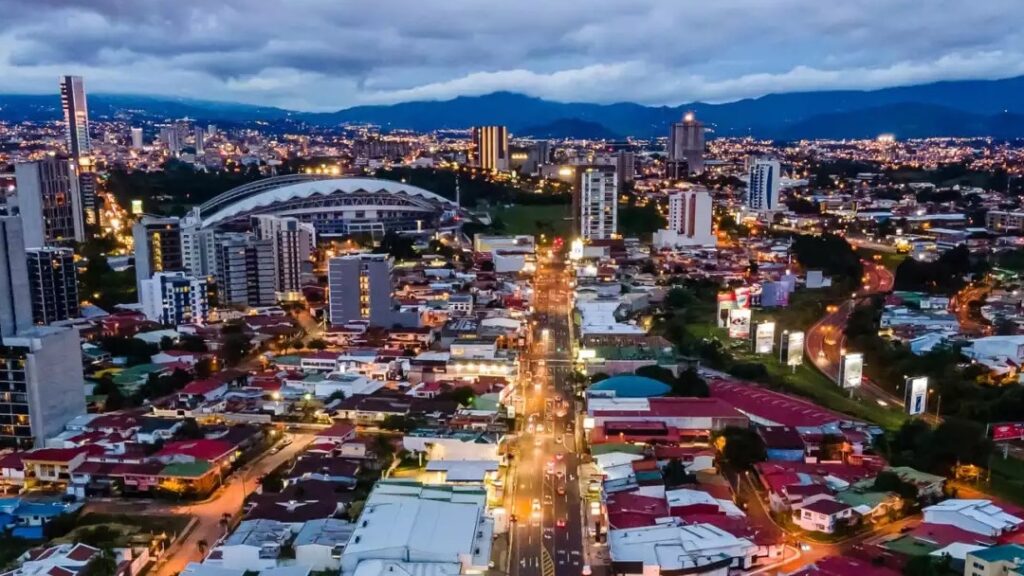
[
  {"x": 826, "y": 340},
  {"x": 546, "y": 538}
]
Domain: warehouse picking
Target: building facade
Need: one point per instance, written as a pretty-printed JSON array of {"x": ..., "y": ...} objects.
[
  {"x": 763, "y": 188},
  {"x": 245, "y": 270},
  {"x": 359, "y": 288},
  {"x": 686, "y": 143},
  {"x": 598, "y": 202},
  {"x": 76, "y": 115},
  {"x": 173, "y": 298},
  {"x": 49, "y": 201},
  {"x": 689, "y": 220},
  {"x": 157, "y": 247},
  {"x": 53, "y": 282},
  {"x": 293, "y": 243},
  {"x": 490, "y": 148}
]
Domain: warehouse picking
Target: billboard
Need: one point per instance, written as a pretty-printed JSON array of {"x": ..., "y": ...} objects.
[
  {"x": 851, "y": 370},
  {"x": 742, "y": 297},
  {"x": 791, "y": 348},
  {"x": 726, "y": 302},
  {"x": 916, "y": 395},
  {"x": 1008, "y": 431},
  {"x": 764, "y": 336},
  {"x": 739, "y": 323}
]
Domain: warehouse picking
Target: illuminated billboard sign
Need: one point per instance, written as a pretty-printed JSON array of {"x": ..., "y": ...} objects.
[
  {"x": 791, "y": 348},
  {"x": 764, "y": 336},
  {"x": 726, "y": 302},
  {"x": 739, "y": 323},
  {"x": 851, "y": 370},
  {"x": 916, "y": 401}
]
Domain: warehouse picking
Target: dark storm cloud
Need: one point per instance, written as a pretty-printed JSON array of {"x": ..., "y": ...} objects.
[{"x": 323, "y": 54}]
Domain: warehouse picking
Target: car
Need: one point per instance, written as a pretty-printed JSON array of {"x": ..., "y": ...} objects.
[
  {"x": 559, "y": 455},
  {"x": 538, "y": 441},
  {"x": 535, "y": 505},
  {"x": 560, "y": 522}
]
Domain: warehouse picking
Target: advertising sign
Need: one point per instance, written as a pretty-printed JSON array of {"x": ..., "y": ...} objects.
[
  {"x": 916, "y": 400},
  {"x": 791, "y": 348},
  {"x": 764, "y": 336},
  {"x": 851, "y": 370},
  {"x": 726, "y": 302},
  {"x": 739, "y": 323},
  {"x": 1008, "y": 431},
  {"x": 742, "y": 297}
]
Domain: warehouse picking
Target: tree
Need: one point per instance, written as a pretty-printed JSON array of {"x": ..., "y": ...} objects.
[
  {"x": 103, "y": 564},
  {"x": 317, "y": 344},
  {"x": 889, "y": 481},
  {"x": 675, "y": 473},
  {"x": 234, "y": 348},
  {"x": 658, "y": 373},
  {"x": 401, "y": 247},
  {"x": 191, "y": 343},
  {"x": 399, "y": 423},
  {"x": 925, "y": 565},
  {"x": 116, "y": 399},
  {"x": 741, "y": 447},
  {"x": 678, "y": 298},
  {"x": 355, "y": 509},
  {"x": 831, "y": 254},
  {"x": 166, "y": 343},
  {"x": 463, "y": 395},
  {"x": 203, "y": 368},
  {"x": 272, "y": 483},
  {"x": 203, "y": 546},
  {"x": 689, "y": 383}
]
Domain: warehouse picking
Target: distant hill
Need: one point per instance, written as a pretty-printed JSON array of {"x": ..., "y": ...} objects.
[
  {"x": 957, "y": 108},
  {"x": 570, "y": 128}
]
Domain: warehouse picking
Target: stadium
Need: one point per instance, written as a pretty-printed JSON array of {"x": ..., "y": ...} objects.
[{"x": 335, "y": 206}]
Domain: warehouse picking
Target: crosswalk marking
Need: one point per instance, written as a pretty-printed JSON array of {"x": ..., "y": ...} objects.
[{"x": 547, "y": 564}]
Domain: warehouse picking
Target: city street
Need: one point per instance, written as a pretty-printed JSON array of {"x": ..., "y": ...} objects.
[{"x": 547, "y": 536}]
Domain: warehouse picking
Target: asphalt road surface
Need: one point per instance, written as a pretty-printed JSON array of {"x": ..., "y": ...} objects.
[{"x": 547, "y": 536}]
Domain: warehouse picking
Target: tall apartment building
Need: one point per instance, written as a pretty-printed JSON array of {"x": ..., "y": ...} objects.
[
  {"x": 686, "y": 144},
  {"x": 53, "y": 283},
  {"x": 245, "y": 270},
  {"x": 174, "y": 298},
  {"x": 490, "y": 148},
  {"x": 764, "y": 184},
  {"x": 137, "y": 142},
  {"x": 359, "y": 288},
  {"x": 49, "y": 201},
  {"x": 293, "y": 243},
  {"x": 41, "y": 378},
  {"x": 157, "y": 247},
  {"x": 171, "y": 137},
  {"x": 198, "y": 249},
  {"x": 1004, "y": 221},
  {"x": 76, "y": 116},
  {"x": 596, "y": 202},
  {"x": 689, "y": 220},
  {"x": 200, "y": 139}
]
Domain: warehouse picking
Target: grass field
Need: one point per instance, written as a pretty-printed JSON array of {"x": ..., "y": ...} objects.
[
  {"x": 536, "y": 219},
  {"x": 1007, "y": 478}
]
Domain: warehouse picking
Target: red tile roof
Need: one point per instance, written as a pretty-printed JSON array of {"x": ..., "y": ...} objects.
[
  {"x": 201, "y": 387},
  {"x": 679, "y": 407},
  {"x": 338, "y": 430},
  {"x": 203, "y": 449},
  {"x": 845, "y": 566},
  {"x": 82, "y": 552},
  {"x": 56, "y": 454},
  {"x": 776, "y": 407},
  {"x": 12, "y": 460},
  {"x": 825, "y": 506}
]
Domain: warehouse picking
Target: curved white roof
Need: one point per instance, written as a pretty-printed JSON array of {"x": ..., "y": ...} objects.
[{"x": 308, "y": 189}]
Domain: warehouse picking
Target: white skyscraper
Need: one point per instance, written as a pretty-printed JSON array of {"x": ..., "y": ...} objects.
[
  {"x": 763, "y": 188},
  {"x": 597, "y": 193},
  {"x": 175, "y": 298},
  {"x": 689, "y": 220},
  {"x": 137, "y": 142}
]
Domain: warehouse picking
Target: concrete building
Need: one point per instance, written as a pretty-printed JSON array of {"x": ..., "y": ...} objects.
[
  {"x": 41, "y": 375},
  {"x": 686, "y": 144},
  {"x": 319, "y": 543},
  {"x": 625, "y": 165},
  {"x": 978, "y": 516},
  {"x": 76, "y": 116},
  {"x": 49, "y": 200},
  {"x": 490, "y": 148},
  {"x": 400, "y": 531},
  {"x": 763, "y": 186},
  {"x": 137, "y": 142},
  {"x": 596, "y": 202},
  {"x": 171, "y": 138},
  {"x": 174, "y": 298},
  {"x": 15, "y": 292},
  {"x": 53, "y": 282},
  {"x": 293, "y": 244},
  {"x": 245, "y": 270},
  {"x": 995, "y": 561},
  {"x": 689, "y": 220},
  {"x": 157, "y": 247},
  {"x": 198, "y": 249},
  {"x": 677, "y": 548},
  {"x": 1004, "y": 221},
  {"x": 359, "y": 288}
]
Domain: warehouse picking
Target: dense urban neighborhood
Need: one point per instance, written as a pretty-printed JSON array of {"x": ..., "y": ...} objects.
[{"x": 264, "y": 349}]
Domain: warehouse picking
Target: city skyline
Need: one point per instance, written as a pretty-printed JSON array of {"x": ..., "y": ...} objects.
[{"x": 329, "y": 56}]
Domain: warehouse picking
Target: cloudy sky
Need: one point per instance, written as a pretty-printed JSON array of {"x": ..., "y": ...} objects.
[{"x": 329, "y": 54}]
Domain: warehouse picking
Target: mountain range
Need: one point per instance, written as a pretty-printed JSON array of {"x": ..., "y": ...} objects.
[{"x": 955, "y": 108}]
